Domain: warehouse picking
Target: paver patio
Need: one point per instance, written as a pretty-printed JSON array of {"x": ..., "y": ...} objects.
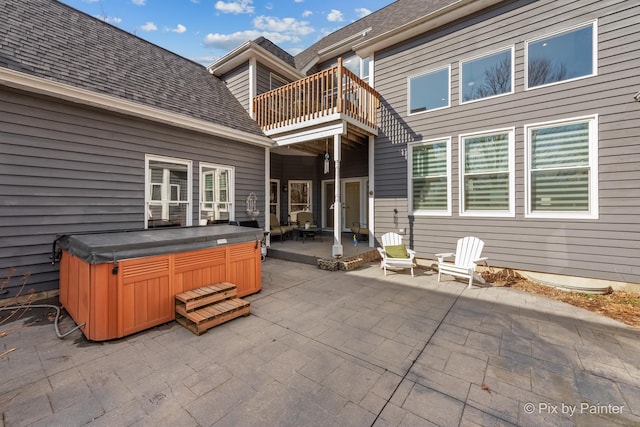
[{"x": 338, "y": 349}]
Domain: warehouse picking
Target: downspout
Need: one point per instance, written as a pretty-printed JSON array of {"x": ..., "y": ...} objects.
[{"x": 372, "y": 161}]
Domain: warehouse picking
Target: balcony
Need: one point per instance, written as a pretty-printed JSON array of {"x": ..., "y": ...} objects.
[{"x": 330, "y": 95}]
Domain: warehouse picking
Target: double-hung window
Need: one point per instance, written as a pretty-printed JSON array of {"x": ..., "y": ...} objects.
[
  {"x": 429, "y": 91},
  {"x": 562, "y": 169},
  {"x": 486, "y": 76},
  {"x": 487, "y": 173},
  {"x": 564, "y": 56},
  {"x": 168, "y": 191},
  {"x": 216, "y": 192},
  {"x": 430, "y": 177}
]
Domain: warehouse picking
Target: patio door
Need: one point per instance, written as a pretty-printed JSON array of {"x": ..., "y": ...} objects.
[
  {"x": 351, "y": 204},
  {"x": 354, "y": 202}
]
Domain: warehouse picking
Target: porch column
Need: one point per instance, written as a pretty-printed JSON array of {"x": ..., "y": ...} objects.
[
  {"x": 267, "y": 192},
  {"x": 337, "y": 204}
]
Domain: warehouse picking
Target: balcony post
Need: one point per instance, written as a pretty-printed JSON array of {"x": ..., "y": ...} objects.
[
  {"x": 337, "y": 204},
  {"x": 339, "y": 78}
]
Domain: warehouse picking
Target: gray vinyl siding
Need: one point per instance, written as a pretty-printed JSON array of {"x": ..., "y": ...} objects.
[
  {"x": 70, "y": 169},
  {"x": 238, "y": 83},
  {"x": 263, "y": 77},
  {"x": 605, "y": 248}
]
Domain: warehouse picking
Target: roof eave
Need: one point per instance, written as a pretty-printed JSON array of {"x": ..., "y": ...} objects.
[
  {"x": 244, "y": 53},
  {"x": 335, "y": 49},
  {"x": 39, "y": 85},
  {"x": 435, "y": 19}
]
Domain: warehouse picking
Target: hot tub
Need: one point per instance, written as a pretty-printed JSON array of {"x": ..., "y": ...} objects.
[{"x": 124, "y": 282}]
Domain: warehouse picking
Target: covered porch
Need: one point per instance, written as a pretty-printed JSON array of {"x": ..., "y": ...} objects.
[
  {"x": 311, "y": 250},
  {"x": 324, "y": 127}
]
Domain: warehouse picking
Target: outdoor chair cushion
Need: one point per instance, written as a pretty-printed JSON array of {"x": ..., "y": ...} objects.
[{"x": 397, "y": 251}]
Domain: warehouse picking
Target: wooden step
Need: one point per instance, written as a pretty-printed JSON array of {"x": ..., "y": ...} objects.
[
  {"x": 198, "y": 321},
  {"x": 196, "y": 298}
]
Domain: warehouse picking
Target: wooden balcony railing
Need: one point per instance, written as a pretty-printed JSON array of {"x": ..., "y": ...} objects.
[{"x": 335, "y": 90}]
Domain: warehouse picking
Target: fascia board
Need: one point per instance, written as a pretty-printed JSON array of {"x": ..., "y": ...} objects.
[
  {"x": 250, "y": 50},
  {"x": 435, "y": 19}
]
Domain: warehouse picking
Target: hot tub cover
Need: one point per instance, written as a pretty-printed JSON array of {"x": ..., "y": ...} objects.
[{"x": 98, "y": 248}]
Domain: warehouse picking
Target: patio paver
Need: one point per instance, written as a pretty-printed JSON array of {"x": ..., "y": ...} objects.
[{"x": 325, "y": 348}]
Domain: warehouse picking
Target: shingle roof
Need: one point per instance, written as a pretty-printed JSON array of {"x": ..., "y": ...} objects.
[
  {"x": 275, "y": 50},
  {"x": 48, "y": 39},
  {"x": 392, "y": 16}
]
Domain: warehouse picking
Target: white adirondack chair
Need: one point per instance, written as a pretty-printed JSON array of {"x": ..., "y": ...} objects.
[
  {"x": 467, "y": 257},
  {"x": 394, "y": 239}
]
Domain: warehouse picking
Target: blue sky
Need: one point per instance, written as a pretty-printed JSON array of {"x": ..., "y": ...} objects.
[{"x": 204, "y": 30}]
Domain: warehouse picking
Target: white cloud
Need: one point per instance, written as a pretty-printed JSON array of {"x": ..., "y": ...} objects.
[
  {"x": 295, "y": 50},
  {"x": 298, "y": 1},
  {"x": 179, "y": 29},
  {"x": 335, "y": 16},
  {"x": 235, "y": 7},
  {"x": 231, "y": 41},
  {"x": 282, "y": 25},
  {"x": 361, "y": 12},
  {"x": 205, "y": 60},
  {"x": 268, "y": 6},
  {"x": 306, "y": 13},
  {"x": 138, "y": 2},
  {"x": 149, "y": 26}
]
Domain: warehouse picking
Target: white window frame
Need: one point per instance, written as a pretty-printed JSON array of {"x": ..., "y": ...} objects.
[
  {"x": 273, "y": 77},
  {"x": 175, "y": 187},
  {"x": 429, "y": 71},
  {"x": 594, "y": 54},
  {"x": 202, "y": 211},
  {"x": 442, "y": 212},
  {"x": 473, "y": 58},
  {"x": 511, "y": 170},
  {"x": 593, "y": 212},
  {"x": 309, "y": 195},
  {"x": 278, "y": 196},
  {"x": 362, "y": 65},
  {"x": 166, "y": 189}
]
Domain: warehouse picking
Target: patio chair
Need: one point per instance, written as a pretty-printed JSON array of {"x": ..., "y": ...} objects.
[
  {"x": 467, "y": 257},
  {"x": 395, "y": 254},
  {"x": 277, "y": 229},
  {"x": 304, "y": 217}
]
